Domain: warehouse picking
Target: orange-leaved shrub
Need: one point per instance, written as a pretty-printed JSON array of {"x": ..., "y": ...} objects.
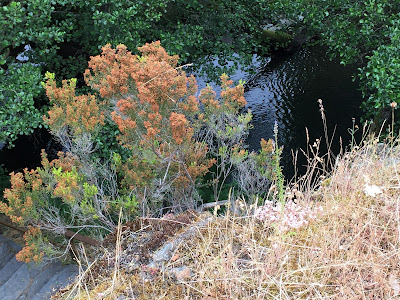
[
  {"x": 31, "y": 251},
  {"x": 173, "y": 136},
  {"x": 155, "y": 107}
]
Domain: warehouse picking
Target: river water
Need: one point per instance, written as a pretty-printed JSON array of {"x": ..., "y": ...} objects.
[{"x": 285, "y": 91}]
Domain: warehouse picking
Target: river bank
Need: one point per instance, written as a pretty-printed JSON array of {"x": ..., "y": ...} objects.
[{"x": 341, "y": 241}]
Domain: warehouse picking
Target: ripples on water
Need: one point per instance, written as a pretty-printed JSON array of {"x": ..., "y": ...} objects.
[{"x": 286, "y": 90}]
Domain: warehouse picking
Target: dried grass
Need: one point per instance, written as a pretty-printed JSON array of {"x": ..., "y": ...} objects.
[{"x": 352, "y": 251}]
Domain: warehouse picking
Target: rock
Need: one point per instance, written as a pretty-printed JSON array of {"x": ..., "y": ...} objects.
[
  {"x": 23, "y": 281},
  {"x": 8, "y": 249},
  {"x": 182, "y": 273},
  {"x": 162, "y": 255},
  {"x": 9, "y": 269},
  {"x": 271, "y": 27},
  {"x": 286, "y": 22},
  {"x": 28, "y": 280},
  {"x": 277, "y": 36},
  {"x": 60, "y": 279}
]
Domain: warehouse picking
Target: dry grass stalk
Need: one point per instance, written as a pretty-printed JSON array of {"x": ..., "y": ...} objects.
[{"x": 351, "y": 251}]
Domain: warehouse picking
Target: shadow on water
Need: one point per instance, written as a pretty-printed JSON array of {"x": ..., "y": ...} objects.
[
  {"x": 27, "y": 151},
  {"x": 286, "y": 90}
]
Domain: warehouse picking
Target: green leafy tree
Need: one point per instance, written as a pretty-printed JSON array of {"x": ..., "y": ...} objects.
[
  {"x": 18, "y": 113},
  {"x": 381, "y": 75}
]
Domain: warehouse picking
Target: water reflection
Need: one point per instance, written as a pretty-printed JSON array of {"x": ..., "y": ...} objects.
[{"x": 287, "y": 90}]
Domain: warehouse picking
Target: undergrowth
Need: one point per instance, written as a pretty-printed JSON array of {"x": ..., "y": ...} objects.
[{"x": 349, "y": 249}]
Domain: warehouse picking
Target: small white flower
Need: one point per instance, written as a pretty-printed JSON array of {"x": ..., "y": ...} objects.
[
  {"x": 372, "y": 190},
  {"x": 394, "y": 284}
]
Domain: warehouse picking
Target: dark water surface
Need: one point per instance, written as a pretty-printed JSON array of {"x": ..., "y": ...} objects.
[{"x": 286, "y": 90}]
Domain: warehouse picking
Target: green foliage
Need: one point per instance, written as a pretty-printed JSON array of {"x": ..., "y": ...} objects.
[
  {"x": 363, "y": 32},
  {"x": 129, "y": 205},
  {"x": 350, "y": 28},
  {"x": 216, "y": 29},
  {"x": 381, "y": 76},
  {"x": 107, "y": 144},
  {"x": 19, "y": 86},
  {"x": 89, "y": 192}
]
